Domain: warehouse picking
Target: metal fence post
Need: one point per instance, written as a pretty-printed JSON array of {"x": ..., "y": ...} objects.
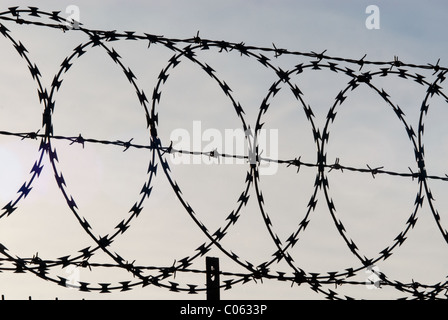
[{"x": 212, "y": 267}]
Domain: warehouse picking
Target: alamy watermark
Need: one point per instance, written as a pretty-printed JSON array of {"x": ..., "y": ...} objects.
[
  {"x": 373, "y": 20},
  {"x": 74, "y": 276},
  {"x": 231, "y": 146},
  {"x": 74, "y": 17},
  {"x": 373, "y": 281}
]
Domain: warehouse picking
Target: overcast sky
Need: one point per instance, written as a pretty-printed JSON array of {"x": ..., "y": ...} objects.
[{"x": 97, "y": 101}]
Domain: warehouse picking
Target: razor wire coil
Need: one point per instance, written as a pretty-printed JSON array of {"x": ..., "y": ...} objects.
[{"x": 185, "y": 49}]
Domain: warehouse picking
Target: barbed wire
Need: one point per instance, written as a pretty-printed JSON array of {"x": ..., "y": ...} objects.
[{"x": 186, "y": 49}]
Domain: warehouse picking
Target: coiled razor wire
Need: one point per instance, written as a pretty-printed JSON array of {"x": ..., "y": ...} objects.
[{"x": 186, "y": 49}]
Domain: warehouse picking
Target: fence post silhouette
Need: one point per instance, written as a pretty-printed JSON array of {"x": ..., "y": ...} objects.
[{"x": 212, "y": 268}]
